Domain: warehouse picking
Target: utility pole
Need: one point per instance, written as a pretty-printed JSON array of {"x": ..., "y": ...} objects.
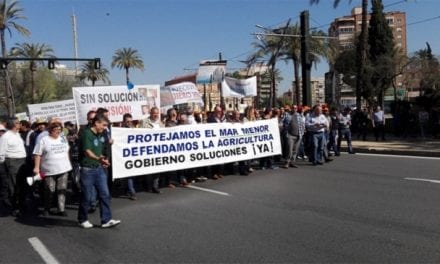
[
  {"x": 305, "y": 58},
  {"x": 222, "y": 98},
  {"x": 75, "y": 42}
]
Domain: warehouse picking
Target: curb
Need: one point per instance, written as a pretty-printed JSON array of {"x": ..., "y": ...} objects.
[{"x": 419, "y": 153}]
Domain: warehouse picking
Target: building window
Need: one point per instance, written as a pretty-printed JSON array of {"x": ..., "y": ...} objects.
[
  {"x": 399, "y": 36},
  {"x": 398, "y": 29},
  {"x": 345, "y": 30},
  {"x": 390, "y": 21}
]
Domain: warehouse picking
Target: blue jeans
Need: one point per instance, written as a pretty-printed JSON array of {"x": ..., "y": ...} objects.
[
  {"x": 346, "y": 133},
  {"x": 94, "y": 178},
  {"x": 318, "y": 146},
  {"x": 130, "y": 186}
]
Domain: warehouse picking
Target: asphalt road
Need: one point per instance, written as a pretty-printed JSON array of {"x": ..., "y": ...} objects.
[{"x": 355, "y": 209}]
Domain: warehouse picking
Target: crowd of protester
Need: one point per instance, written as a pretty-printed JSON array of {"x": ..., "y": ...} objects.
[{"x": 41, "y": 160}]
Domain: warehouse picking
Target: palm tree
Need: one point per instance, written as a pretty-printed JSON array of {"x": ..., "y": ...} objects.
[
  {"x": 9, "y": 14},
  {"x": 127, "y": 58},
  {"x": 88, "y": 72},
  {"x": 292, "y": 51},
  {"x": 268, "y": 48},
  {"x": 32, "y": 50}
]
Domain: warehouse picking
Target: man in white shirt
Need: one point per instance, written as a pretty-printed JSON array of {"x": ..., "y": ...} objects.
[
  {"x": 378, "y": 123},
  {"x": 13, "y": 158},
  {"x": 153, "y": 121},
  {"x": 316, "y": 123}
]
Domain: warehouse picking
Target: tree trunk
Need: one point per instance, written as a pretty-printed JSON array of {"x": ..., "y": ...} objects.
[
  {"x": 273, "y": 88},
  {"x": 33, "y": 87},
  {"x": 126, "y": 74},
  {"x": 362, "y": 54},
  {"x": 8, "y": 87}
]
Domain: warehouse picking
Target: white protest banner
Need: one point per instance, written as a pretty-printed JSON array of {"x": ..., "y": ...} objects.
[
  {"x": 183, "y": 93},
  {"x": 117, "y": 99},
  {"x": 239, "y": 88},
  {"x": 22, "y": 116},
  {"x": 211, "y": 71},
  {"x": 65, "y": 110},
  {"x": 140, "y": 151}
]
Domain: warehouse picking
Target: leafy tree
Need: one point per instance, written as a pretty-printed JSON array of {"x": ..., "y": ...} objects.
[
  {"x": 64, "y": 84},
  {"x": 361, "y": 50},
  {"x": 427, "y": 71},
  {"x": 381, "y": 51},
  {"x": 127, "y": 58},
  {"x": 32, "y": 50},
  {"x": 10, "y": 13},
  {"x": 88, "y": 72},
  {"x": 21, "y": 80}
]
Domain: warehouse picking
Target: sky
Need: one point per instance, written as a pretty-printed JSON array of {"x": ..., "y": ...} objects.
[{"x": 173, "y": 36}]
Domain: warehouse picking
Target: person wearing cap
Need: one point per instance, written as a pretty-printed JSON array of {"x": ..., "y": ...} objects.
[{"x": 13, "y": 158}]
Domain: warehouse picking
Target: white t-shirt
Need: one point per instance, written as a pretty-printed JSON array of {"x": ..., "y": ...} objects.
[
  {"x": 54, "y": 155},
  {"x": 11, "y": 146}
]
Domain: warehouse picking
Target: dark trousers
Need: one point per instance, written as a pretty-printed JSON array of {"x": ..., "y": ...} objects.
[
  {"x": 243, "y": 167},
  {"x": 152, "y": 181},
  {"x": 379, "y": 130},
  {"x": 15, "y": 172},
  {"x": 4, "y": 185},
  {"x": 345, "y": 133}
]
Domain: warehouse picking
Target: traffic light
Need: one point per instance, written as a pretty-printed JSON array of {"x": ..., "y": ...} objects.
[
  {"x": 97, "y": 62},
  {"x": 51, "y": 64},
  {"x": 3, "y": 64}
]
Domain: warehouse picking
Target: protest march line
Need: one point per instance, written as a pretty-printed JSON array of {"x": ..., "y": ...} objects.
[{"x": 41, "y": 249}]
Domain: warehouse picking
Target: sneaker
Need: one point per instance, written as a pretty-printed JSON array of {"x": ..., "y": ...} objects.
[
  {"x": 86, "y": 224},
  {"x": 201, "y": 178},
  {"x": 111, "y": 223}
]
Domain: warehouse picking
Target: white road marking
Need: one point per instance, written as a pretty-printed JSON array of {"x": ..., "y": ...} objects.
[
  {"x": 424, "y": 180},
  {"x": 397, "y": 156},
  {"x": 207, "y": 190},
  {"x": 42, "y": 251}
]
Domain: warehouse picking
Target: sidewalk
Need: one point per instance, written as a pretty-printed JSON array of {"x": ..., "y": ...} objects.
[{"x": 397, "y": 146}]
